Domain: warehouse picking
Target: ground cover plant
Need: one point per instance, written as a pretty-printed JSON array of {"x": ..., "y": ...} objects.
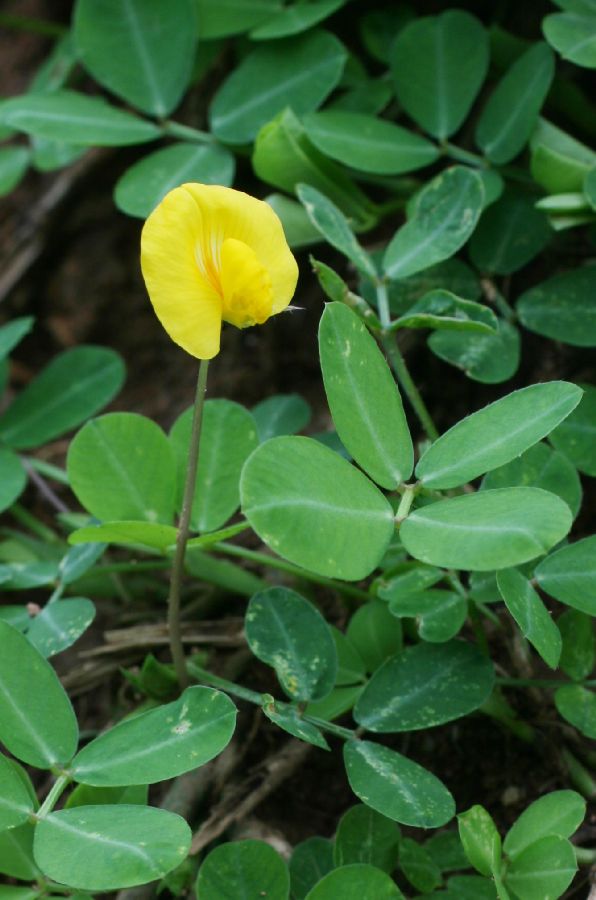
[{"x": 318, "y": 649}]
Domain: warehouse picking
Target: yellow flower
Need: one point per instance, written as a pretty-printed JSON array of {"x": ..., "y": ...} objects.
[{"x": 210, "y": 254}]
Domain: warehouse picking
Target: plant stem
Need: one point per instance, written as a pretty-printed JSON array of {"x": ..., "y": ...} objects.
[
  {"x": 53, "y": 796},
  {"x": 542, "y": 682},
  {"x": 461, "y": 155},
  {"x": 186, "y": 132},
  {"x": 274, "y": 563},
  {"x": 405, "y": 503},
  {"x": 47, "y": 469},
  {"x": 585, "y": 856},
  {"x": 35, "y": 26},
  {"x": 176, "y": 647},
  {"x": 579, "y": 775},
  {"x": 24, "y": 517}
]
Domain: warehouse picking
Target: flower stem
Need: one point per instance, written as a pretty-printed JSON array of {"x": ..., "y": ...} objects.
[{"x": 176, "y": 647}]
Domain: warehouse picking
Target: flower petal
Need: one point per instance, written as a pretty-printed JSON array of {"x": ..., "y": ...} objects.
[{"x": 245, "y": 284}]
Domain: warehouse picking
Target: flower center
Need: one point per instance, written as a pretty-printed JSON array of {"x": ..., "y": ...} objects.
[{"x": 246, "y": 291}]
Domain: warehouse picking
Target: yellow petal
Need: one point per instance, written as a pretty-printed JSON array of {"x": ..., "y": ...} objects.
[
  {"x": 246, "y": 285},
  {"x": 185, "y": 299}
]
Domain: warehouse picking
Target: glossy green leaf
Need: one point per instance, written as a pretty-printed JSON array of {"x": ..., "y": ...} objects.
[
  {"x": 37, "y": 722},
  {"x": 369, "y": 144},
  {"x": 439, "y": 614},
  {"x": 356, "y": 882},
  {"x": 136, "y": 51},
  {"x": 480, "y": 839},
  {"x": 576, "y": 436},
  {"x": 16, "y": 853},
  {"x": 77, "y": 561},
  {"x": 379, "y": 28},
  {"x": 577, "y": 705},
  {"x": 289, "y": 719},
  {"x": 396, "y": 786},
  {"x": 314, "y": 508},
  {"x": 161, "y": 743},
  {"x": 573, "y": 36},
  {"x": 452, "y": 275},
  {"x": 496, "y": 434},
  {"x": 409, "y": 578},
  {"x": 487, "y": 530},
  {"x": 543, "y": 871},
  {"x": 11, "y": 892},
  {"x": 228, "y": 17},
  {"x": 511, "y": 232},
  {"x": 248, "y": 869},
  {"x": 281, "y": 414},
  {"x": 228, "y": 436},
  {"x": 127, "y": 533},
  {"x": 13, "y": 478},
  {"x": 444, "y": 217},
  {"x": 578, "y": 653},
  {"x": 569, "y": 575},
  {"x": 561, "y": 307},
  {"x": 287, "y": 632},
  {"x": 295, "y": 19},
  {"x": 557, "y": 813},
  {"x": 141, "y": 188},
  {"x": 374, "y": 633},
  {"x": 558, "y": 161},
  {"x": 74, "y": 386},
  {"x": 351, "y": 668},
  {"x": 86, "y": 795},
  {"x": 222, "y": 573},
  {"x": 76, "y": 118},
  {"x": 543, "y": 468},
  {"x": 60, "y": 624},
  {"x": 21, "y": 576},
  {"x": 49, "y": 155},
  {"x": 298, "y": 72},
  {"x": 417, "y": 865},
  {"x": 440, "y": 309},
  {"x": 309, "y": 862},
  {"x": 590, "y": 187},
  {"x": 439, "y": 64},
  {"x": 365, "y": 836},
  {"x": 13, "y": 332},
  {"x": 14, "y": 161},
  {"x": 531, "y": 615},
  {"x": 334, "y": 227},
  {"x": 298, "y": 229},
  {"x": 15, "y": 802},
  {"x": 121, "y": 466},
  {"x": 423, "y": 686},
  {"x": 488, "y": 358},
  {"x": 363, "y": 398},
  {"x": 510, "y": 114},
  {"x": 446, "y": 850},
  {"x": 366, "y": 98},
  {"x": 102, "y": 848}
]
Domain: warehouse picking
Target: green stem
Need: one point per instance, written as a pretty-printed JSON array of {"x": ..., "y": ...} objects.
[
  {"x": 281, "y": 565},
  {"x": 405, "y": 503},
  {"x": 53, "y": 796},
  {"x": 35, "y": 26},
  {"x": 585, "y": 856},
  {"x": 465, "y": 156},
  {"x": 579, "y": 775},
  {"x": 186, "y": 132},
  {"x": 24, "y": 517},
  {"x": 176, "y": 647},
  {"x": 47, "y": 469},
  {"x": 398, "y": 364}
]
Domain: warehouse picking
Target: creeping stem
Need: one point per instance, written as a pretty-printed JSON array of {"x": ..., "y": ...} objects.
[{"x": 176, "y": 648}]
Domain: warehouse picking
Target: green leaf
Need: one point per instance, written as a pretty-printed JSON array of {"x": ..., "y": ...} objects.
[
  {"x": 121, "y": 466},
  {"x": 8, "y": 892},
  {"x": 76, "y": 118},
  {"x": 496, "y": 434},
  {"x": 14, "y": 161},
  {"x": 543, "y": 871},
  {"x": 590, "y": 187},
  {"x": 334, "y": 227},
  {"x": 488, "y": 358},
  {"x": 569, "y": 575},
  {"x": 13, "y": 478},
  {"x": 161, "y": 743},
  {"x": 351, "y": 668},
  {"x": 363, "y": 398},
  {"x": 309, "y": 862},
  {"x": 481, "y": 840},
  {"x": 440, "y": 309},
  {"x": 355, "y": 882},
  {"x": 452, "y": 275},
  {"x": 374, "y": 634},
  {"x": 298, "y": 229},
  {"x": 228, "y": 437},
  {"x": 74, "y": 386},
  {"x": 579, "y": 645},
  {"x": 511, "y": 112},
  {"x": 558, "y": 813},
  {"x": 287, "y": 632},
  {"x": 418, "y": 866},
  {"x": 60, "y": 624},
  {"x": 222, "y": 573},
  {"x": 149, "y": 534},
  {"x": 561, "y": 307},
  {"x": 531, "y": 615},
  {"x": 510, "y": 233},
  {"x": 446, "y": 850},
  {"x": 409, "y": 578},
  {"x": 365, "y": 836},
  {"x": 379, "y": 28},
  {"x": 396, "y": 786},
  {"x": 543, "y": 468},
  {"x": 102, "y": 848},
  {"x": 247, "y": 869},
  {"x": 136, "y": 52},
  {"x": 146, "y": 183},
  {"x": 368, "y": 144},
  {"x": 578, "y": 706},
  {"x": 573, "y": 36},
  {"x": 289, "y": 719},
  {"x": 297, "y": 72},
  {"x": 77, "y": 561},
  {"x": 439, "y": 614},
  {"x": 85, "y": 795},
  {"x": 295, "y": 19},
  {"x": 444, "y": 217},
  {"x": 281, "y": 414},
  {"x": 16, "y": 853},
  {"x": 314, "y": 508},
  {"x": 228, "y": 17},
  {"x": 13, "y": 332},
  {"x": 576, "y": 436},
  {"x": 423, "y": 686},
  {"x": 439, "y": 64},
  {"x": 487, "y": 530},
  {"x": 37, "y": 722},
  {"x": 15, "y": 802},
  {"x": 559, "y": 163}
]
